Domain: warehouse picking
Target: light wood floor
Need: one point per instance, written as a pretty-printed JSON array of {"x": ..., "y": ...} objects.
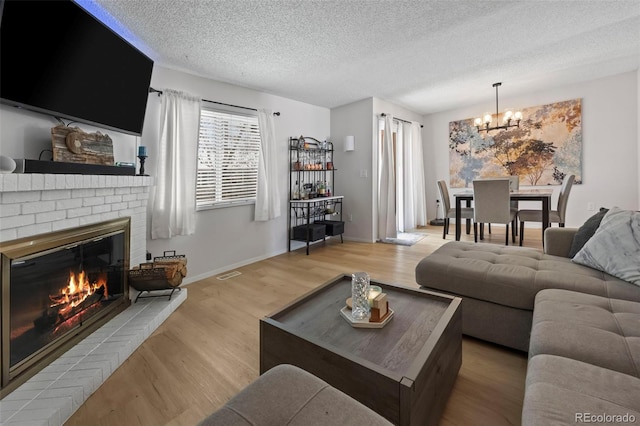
[{"x": 208, "y": 349}]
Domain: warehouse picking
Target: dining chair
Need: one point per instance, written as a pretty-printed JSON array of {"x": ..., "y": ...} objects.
[
  {"x": 514, "y": 185},
  {"x": 449, "y": 212},
  {"x": 555, "y": 216},
  {"x": 492, "y": 204}
]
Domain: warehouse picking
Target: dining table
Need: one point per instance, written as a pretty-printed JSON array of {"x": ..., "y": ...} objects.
[{"x": 542, "y": 195}]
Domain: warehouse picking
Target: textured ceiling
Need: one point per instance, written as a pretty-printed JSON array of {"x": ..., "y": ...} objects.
[{"x": 426, "y": 56}]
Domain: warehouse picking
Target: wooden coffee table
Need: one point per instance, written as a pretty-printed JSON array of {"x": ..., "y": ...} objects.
[{"x": 404, "y": 371}]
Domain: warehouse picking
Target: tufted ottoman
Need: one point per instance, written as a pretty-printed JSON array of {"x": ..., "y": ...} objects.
[
  {"x": 288, "y": 395},
  {"x": 498, "y": 285}
]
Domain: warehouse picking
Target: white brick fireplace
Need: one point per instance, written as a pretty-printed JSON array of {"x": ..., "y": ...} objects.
[
  {"x": 32, "y": 204},
  {"x": 35, "y": 203}
]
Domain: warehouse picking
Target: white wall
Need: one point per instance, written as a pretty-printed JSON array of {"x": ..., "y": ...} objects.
[
  {"x": 225, "y": 238},
  {"x": 354, "y": 120},
  {"x": 357, "y": 175},
  {"x": 229, "y": 237},
  {"x": 25, "y": 134},
  {"x": 609, "y": 136}
]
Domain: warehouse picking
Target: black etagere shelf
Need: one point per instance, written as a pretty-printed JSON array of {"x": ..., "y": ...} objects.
[{"x": 315, "y": 209}]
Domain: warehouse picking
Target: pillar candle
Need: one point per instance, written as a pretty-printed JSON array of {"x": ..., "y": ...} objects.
[
  {"x": 374, "y": 291},
  {"x": 142, "y": 151}
]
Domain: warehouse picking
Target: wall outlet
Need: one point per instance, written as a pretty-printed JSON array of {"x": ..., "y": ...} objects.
[
  {"x": 591, "y": 206},
  {"x": 363, "y": 173},
  {"x": 350, "y": 217}
]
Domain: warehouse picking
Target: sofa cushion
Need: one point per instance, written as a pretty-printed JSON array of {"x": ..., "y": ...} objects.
[
  {"x": 288, "y": 395},
  {"x": 592, "y": 329},
  {"x": 586, "y": 231},
  {"x": 615, "y": 246},
  {"x": 512, "y": 276},
  {"x": 563, "y": 391}
]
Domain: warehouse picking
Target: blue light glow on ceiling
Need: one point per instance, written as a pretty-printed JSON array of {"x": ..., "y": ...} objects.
[{"x": 103, "y": 16}]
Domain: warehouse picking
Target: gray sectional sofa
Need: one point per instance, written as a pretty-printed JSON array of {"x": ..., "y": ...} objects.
[{"x": 580, "y": 326}]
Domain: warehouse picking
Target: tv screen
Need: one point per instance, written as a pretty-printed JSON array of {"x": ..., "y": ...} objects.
[{"x": 57, "y": 59}]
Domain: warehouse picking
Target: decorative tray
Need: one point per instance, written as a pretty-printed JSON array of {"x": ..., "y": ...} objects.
[{"x": 364, "y": 323}]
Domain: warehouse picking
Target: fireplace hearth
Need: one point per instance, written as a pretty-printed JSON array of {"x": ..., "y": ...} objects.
[{"x": 57, "y": 288}]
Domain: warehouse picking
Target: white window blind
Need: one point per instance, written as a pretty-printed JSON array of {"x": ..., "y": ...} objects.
[{"x": 228, "y": 153}]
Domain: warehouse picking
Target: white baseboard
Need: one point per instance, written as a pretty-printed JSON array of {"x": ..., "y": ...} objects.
[{"x": 228, "y": 268}]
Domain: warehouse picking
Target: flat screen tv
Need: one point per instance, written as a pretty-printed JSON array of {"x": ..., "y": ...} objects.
[{"x": 57, "y": 59}]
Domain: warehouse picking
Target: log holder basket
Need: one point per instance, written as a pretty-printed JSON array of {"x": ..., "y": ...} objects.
[{"x": 164, "y": 273}]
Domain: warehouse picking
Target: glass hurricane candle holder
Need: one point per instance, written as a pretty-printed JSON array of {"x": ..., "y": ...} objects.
[{"x": 360, "y": 283}]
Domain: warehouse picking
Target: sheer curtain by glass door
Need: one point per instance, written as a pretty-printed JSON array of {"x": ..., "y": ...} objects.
[{"x": 401, "y": 187}]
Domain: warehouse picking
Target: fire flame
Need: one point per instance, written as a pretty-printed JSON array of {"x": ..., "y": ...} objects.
[{"x": 77, "y": 290}]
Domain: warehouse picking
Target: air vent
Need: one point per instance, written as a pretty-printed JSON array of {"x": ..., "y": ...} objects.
[{"x": 228, "y": 275}]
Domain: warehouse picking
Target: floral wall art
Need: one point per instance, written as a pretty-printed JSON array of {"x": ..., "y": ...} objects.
[{"x": 546, "y": 147}]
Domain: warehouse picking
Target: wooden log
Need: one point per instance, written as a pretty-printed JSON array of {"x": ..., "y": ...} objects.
[
  {"x": 73, "y": 145},
  {"x": 55, "y": 315}
]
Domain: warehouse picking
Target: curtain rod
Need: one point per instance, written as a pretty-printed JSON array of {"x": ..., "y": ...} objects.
[
  {"x": 399, "y": 119},
  {"x": 159, "y": 92}
]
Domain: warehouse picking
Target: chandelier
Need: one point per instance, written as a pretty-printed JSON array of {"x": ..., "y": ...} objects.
[{"x": 509, "y": 118}]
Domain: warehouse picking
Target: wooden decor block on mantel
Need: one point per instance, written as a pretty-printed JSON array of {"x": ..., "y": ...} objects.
[{"x": 73, "y": 145}]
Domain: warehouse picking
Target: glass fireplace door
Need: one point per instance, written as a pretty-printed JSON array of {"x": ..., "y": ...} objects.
[
  {"x": 55, "y": 289},
  {"x": 55, "y": 292}
]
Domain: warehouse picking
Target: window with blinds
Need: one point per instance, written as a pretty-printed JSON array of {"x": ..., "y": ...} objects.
[{"x": 228, "y": 153}]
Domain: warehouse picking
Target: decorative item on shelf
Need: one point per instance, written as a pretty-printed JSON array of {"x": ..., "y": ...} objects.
[
  {"x": 73, "y": 145},
  {"x": 483, "y": 124},
  {"x": 7, "y": 164},
  {"x": 359, "y": 295},
  {"x": 310, "y": 191},
  {"x": 142, "y": 155},
  {"x": 296, "y": 192}
]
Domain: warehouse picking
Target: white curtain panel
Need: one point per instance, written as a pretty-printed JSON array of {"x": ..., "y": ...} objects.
[
  {"x": 268, "y": 193},
  {"x": 416, "y": 162},
  {"x": 407, "y": 189},
  {"x": 173, "y": 211},
  {"x": 387, "y": 220}
]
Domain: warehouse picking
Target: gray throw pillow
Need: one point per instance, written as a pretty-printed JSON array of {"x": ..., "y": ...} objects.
[
  {"x": 615, "y": 247},
  {"x": 586, "y": 231}
]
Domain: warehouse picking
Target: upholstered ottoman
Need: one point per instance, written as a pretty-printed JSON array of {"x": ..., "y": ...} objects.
[
  {"x": 498, "y": 285},
  {"x": 288, "y": 395}
]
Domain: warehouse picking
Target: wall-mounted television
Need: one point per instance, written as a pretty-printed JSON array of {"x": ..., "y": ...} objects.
[{"x": 57, "y": 59}]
